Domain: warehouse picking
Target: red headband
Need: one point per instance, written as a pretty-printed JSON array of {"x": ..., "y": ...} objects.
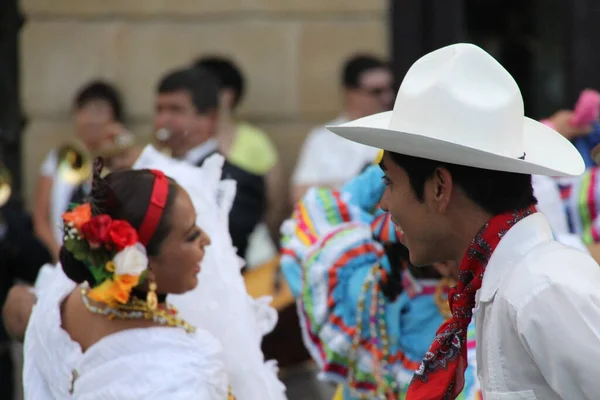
[{"x": 158, "y": 201}]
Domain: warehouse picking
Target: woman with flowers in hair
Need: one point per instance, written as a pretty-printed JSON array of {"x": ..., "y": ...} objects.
[
  {"x": 102, "y": 329},
  {"x": 368, "y": 316}
]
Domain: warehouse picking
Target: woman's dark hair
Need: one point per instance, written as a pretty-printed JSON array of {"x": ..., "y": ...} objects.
[
  {"x": 399, "y": 259},
  {"x": 496, "y": 192},
  {"x": 100, "y": 90},
  {"x": 122, "y": 195}
]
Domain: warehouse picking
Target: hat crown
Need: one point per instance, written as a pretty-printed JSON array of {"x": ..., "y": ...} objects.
[{"x": 461, "y": 94}]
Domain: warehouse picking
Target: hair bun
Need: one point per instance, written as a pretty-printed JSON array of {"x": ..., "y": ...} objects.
[
  {"x": 98, "y": 166},
  {"x": 102, "y": 196},
  {"x": 76, "y": 270}
]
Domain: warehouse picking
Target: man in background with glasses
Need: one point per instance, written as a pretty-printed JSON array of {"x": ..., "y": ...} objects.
[{"x": 328, "y": 160}]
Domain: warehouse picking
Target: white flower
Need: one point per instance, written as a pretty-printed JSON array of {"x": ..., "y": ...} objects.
[{"x": 131, "y": 260}]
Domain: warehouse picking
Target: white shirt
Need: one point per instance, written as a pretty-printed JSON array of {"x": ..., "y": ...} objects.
[
  {"x": 327, "y": 158},
  {"x": 60, "y": 195},
  {"x": 144, "y": 363},
  {"x": 538, "y": 318},
  {"x": 195, "y": 154}
]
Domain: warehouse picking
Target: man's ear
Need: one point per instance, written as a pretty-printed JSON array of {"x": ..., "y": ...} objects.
[
  {"x": 442, "y": 188},
  {"x": 226, "y": 99}
]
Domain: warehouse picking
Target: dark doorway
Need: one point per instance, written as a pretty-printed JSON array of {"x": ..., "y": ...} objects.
[
  {"x": 528, "y": 38},
  {"x": 11, "y": 116},
  {"x": 551, "y": 47}
]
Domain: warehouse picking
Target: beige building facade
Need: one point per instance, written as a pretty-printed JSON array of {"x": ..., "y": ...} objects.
[{"x": 291, "y": 52}]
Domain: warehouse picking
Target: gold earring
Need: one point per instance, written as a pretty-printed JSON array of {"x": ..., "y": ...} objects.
[{"x": 151, "y": 299}]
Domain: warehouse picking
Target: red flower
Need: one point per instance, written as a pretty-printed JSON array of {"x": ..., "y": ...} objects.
[
  {"x": 122, "y": 234},
  {"x": 96, "y": 230}
]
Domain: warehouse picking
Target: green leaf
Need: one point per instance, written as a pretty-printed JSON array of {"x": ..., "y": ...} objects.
[
  {"x": 143, "y": 277},
  {"x": 73, "y": 206},
  {"x": 100, "y": 274},
  {"x": 99, "y": 257},
  {"x": 78, "y": 248}
]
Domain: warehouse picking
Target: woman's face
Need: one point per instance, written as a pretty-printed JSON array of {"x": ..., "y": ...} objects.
[
  {"x": 91, "y": 122},
  {"x": 175, "y": 269}
]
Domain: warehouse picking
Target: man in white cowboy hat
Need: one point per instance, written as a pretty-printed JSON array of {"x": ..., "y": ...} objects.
[{"x": 458, "y": 160}]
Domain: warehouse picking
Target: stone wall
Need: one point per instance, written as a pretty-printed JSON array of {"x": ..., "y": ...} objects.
[{"x": 291, "y": 51}]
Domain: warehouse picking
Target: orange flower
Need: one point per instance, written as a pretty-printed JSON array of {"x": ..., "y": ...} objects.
[
  {"x": 79, "y": 216},
  {"x": 115, "y": 291}
]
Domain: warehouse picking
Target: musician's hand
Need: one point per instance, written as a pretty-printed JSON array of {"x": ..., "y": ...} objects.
[{"x": 113, "y": 130}]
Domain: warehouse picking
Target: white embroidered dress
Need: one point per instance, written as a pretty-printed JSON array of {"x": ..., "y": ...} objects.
[
  {"x": 165, "y": 363},
  {"x": 145, "y": 363},
  {"x": 220, "y": 303}
]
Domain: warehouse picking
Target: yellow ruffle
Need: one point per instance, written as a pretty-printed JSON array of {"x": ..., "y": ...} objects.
[{"x": 114, "y": 291}]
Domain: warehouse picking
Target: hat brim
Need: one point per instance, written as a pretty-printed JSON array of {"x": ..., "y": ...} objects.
[{"x": 547, "y": 152}]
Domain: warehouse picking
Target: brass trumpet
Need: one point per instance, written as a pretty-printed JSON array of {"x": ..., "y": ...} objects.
[
  {"x": 74, "y": 163},
  {"x": 5, "y": 184},
  {"x": 75, "y": 160}
]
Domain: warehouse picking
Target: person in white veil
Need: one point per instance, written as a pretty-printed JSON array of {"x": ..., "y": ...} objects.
[
  {"x": 101, "y": 328},
  {"x": 220, "y": 303}
]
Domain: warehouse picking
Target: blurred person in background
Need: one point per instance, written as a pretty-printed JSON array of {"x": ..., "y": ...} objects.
[
  {"x": 96, "y": 106},
  {"x": 21, "y": 256},
  {"x": 244, "y": 144},
  {"x": 187, "y": 107},
  {"x": 580, "y": 125},
  {"x": 325, "y": 158}
]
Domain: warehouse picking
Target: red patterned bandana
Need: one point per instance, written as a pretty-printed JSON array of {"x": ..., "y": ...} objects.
[{"x": 441, "y": 374}]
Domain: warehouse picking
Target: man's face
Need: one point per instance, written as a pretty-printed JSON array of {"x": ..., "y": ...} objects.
[
  {"x": 176, "y": 112},
  {"x": 375, "y": 92},
  {"x": 421, "y": 223}
]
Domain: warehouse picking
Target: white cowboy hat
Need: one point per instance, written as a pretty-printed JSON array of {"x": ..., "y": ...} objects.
[{"x": 459, "y": 105}]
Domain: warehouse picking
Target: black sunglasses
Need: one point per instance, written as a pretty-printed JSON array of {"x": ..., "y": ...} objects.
[{"x": 377, "y": 91}]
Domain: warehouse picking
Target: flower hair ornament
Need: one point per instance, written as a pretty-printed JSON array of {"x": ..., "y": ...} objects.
[
  {"x": 111, "y": 251},
  {"x": 115, "y": 254}
]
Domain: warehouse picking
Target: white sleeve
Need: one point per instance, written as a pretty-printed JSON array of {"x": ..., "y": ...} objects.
[
  {"x": 308, "y": 167},
  {"x": 35, "y": 386},
  {"x": 560, "y": 327},
  {"x": 50, "y": 164}
]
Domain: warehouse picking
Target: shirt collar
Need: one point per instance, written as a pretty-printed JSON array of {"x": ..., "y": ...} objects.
[
  {"x": 518, "y": 241},
  {"x": 196, "y": 154}
]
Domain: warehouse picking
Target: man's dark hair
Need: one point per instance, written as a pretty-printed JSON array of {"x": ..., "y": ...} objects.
[
  {"x": 227, "y": 72},
  {"x": 495, "y": 192},
  {"x": 100, "y": 90},
  {"x": 200, "y": 83},
  {"x": 358, "y": 65}
]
